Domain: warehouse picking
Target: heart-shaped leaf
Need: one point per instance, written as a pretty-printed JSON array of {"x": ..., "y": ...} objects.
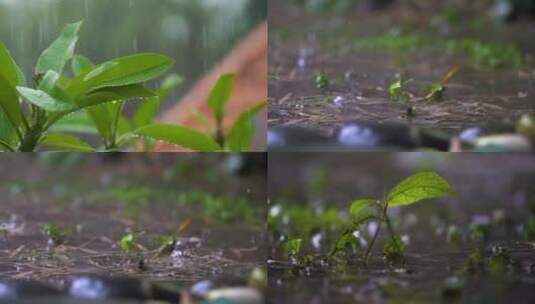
[{"x": 420, "y": 186}]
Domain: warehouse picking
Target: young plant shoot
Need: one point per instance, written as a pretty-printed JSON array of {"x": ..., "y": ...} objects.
[{"x": 418, "y": 187}]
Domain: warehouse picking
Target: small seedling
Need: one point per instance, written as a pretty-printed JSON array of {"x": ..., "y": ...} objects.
[
  {"x": 55, "y": 235},
  {"x": 436, "y": 90},
  {"x": 292, "y": 248},
  {"x": 398, "y": 91},
  {"x": 418, "y": 187},
  {"x": 126, "y": 243},
  {"x": 167, "y": 244},
  {"x": 321, "y": 80}
]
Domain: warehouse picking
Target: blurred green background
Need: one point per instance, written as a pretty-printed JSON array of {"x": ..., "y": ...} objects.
[{"x": 197, "y": 33}]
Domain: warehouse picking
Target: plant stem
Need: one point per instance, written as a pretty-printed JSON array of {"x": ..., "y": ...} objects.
[
  {"x": 6, "y": 146},
  {"x": 220, "y": 136},
  {"x": 369, "y": 249}
]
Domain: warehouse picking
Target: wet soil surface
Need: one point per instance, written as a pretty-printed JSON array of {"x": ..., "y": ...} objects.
[
  {"x": 492, "y": 190},
  {"x": 303, "y": 44},
  {"x": 95, "y": 201}
]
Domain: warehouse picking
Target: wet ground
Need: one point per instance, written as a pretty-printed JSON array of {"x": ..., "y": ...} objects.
[
  {"x": 362, "y": 52},
  {"x": 494, "y": 191},
  {"x": 215, "y": 217}
]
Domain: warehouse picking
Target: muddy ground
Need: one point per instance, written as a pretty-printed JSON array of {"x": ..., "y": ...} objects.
[
  {"x": 491, "y": 189},
  {"x": 96, "y": 200},
  {"x": 303, "y": 44}
]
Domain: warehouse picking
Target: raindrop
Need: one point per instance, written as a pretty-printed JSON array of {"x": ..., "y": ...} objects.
[
  {"x": 135, "y": 45},
  {"x": 339, "y": 101}
]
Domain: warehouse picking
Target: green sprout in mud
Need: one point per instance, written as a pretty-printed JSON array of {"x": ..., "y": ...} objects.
[
  {"x": 292, "y": 248},
  {"x": 418, "y": 187},
  {"x": 59, "y": 106},
  {"x": 126, "y": 243},
  {"x": 321, "y": 80},
  {"x": 398, "y": 90},
  {"x": 167, "y": 244},
  {"x": 436, "y": 90},
  {"x": 54, "y": 234}
]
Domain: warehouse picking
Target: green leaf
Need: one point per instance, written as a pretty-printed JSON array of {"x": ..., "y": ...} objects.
[
  {"x": 179, "y": 136},
  {"x": 346, "y": 240},
  {"x": 44, "y": 101},
  {"x": 81, "y": 65},
  {"x": 168, "y": 85},
  {"x": 8, "y": 67},
  {"x": 8, "y": 135},
  {"x": 359, "y": 205},
  {"x": 49, "y": 85},
  {"x": 128, "y": 92},
  {"x": 65, "y": 142},
  {"x": 292, "y": 248},
  {"x": 60, "y": 51},
  {"x": 127, "y": 243},
  {"x": 78, "y": 122},
  {"x": 9, "y": 102},
  {"x": 148, "y": 110},
  {"x": 241, "y": 135},
  {"x": 420, "y": 186},
  {"x": 128, "y": 70},
  {"x": 220, "y": 95}
]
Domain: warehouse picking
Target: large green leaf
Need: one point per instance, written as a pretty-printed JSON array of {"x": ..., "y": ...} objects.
[
  {"x": 128, "y": 70},
  {"x": 147, "y": 110},
  {"x": 128, "y": 92},
  {"x": 81, "y": 65},
  {"x": 49, "y": 85},
  {"x": 9, "y": 102},
  {"x": 220, "y": 95},
  {"x": 102, "y": 119},
  {"x": 8, "y": 67},
  {"x": 7, "y": 132},
  {"x": 179, "y": 136},
  {"x": 78, "y": 122},
  {"x": 65, "y": 142},
  {"x": 242, "y": 132},
  {"x": 60, "y": 51},
  {"x": 44, "y": 101},
  {"x": 420, "y": 186}
]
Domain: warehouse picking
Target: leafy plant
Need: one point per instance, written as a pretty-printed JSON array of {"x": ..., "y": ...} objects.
[
  {"x": 91, "y": 101},
  {"x": 398, "y": 91},
  {"x": 127, "y": 243},
  {"x": 54, "y": 234},
  {"x": 436, "y": 89},
  {"x": 415, "y": 188},
  {"x": 321, "y": 80},
  {"x": 292, "y": 248}
]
